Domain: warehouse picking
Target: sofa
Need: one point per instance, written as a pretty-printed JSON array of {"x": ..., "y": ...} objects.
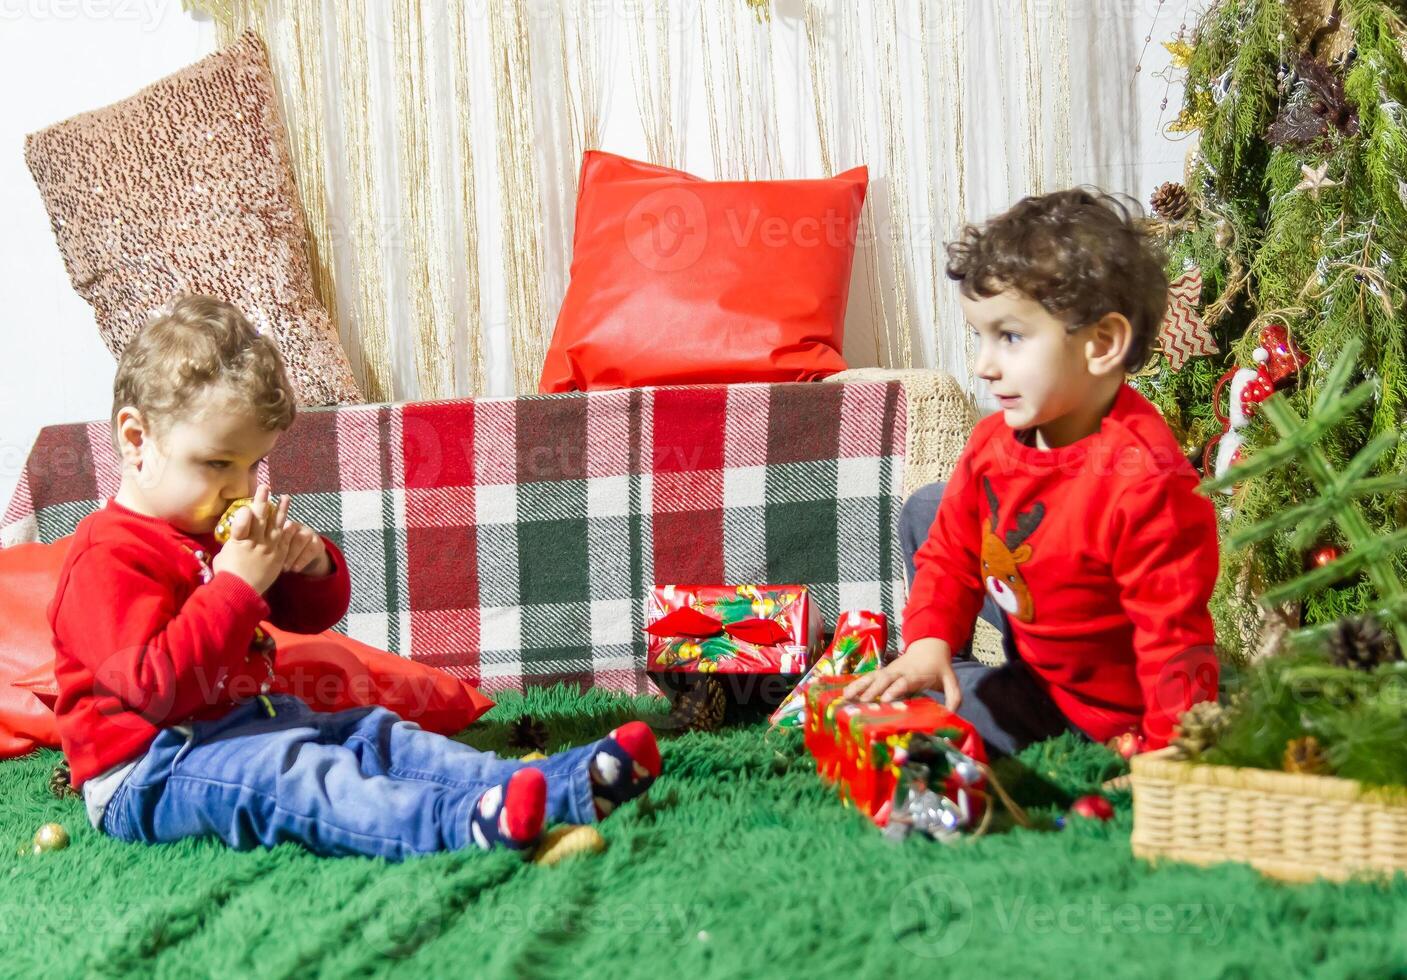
[{"x": 512, "y": 542}]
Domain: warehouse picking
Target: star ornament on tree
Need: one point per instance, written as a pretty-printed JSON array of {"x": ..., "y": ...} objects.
[
  {"x": 1183, "y": 334},
  {"x": 1316, "y": 179}
]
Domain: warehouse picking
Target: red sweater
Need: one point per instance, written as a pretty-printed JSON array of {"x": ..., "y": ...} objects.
[
  {"x": 142, "y": 642},
  {"x": 1103, "y": 557}
]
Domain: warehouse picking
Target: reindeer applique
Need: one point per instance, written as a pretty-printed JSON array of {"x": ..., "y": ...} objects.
[{"x": 1000, "y": 556}]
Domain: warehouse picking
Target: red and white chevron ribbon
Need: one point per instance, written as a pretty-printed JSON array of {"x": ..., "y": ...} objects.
[{"x": 1183, "y": 334}]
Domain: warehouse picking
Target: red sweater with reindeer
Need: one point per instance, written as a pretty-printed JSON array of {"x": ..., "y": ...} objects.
[{"x": 1101, "y": 554}]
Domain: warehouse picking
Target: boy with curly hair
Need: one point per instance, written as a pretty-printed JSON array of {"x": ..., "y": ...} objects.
[
  {"x": 164, "y": 672},
  {"x": 1072, "y": 510}
]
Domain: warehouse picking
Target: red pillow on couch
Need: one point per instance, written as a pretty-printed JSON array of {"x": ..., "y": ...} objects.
[
  {"x": 678, "y": 280},
  {"x": 328, "y": 670}
]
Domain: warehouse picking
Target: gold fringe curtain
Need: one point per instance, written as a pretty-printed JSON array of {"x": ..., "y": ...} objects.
[
  {"x": 949, "y": 185},
  {"x": 652, "y": 81},
  {"x": 517, "y": 172},
  {"x": 736, "y": 46},
  {"x": 424, "y": 232},
  {"x": 869, "y": 233},
  {"x": 363, "y": 213},
  {"x": 468, "y": 197},
  {"x": 896, "y": 160},
  {"x": 583, "y": 74},
  {"x": 307, "y": 135},
  {"x": 407, "y": 225},
  {"x": 292, "y": 32}
]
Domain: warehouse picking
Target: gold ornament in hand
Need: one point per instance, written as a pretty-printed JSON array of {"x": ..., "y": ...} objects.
[{"x": 225, "y": 527}]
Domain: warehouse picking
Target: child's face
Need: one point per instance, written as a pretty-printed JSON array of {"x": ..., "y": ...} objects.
[
  {"x": 189, "y": 472},
  {"x": 1037, "y": 368}
]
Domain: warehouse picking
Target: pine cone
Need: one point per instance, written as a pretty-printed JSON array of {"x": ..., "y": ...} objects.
[
  {"x": 1170, "y": 201},
  {"x": 1361, "y": 642},
  {"x": 61, "y": 781},
  {"x": 527, "y": 733},
  {"x": 698, "y": 705},
  {"x": 1304, "y": 755},
  {"x": 1199, "y": 727}
]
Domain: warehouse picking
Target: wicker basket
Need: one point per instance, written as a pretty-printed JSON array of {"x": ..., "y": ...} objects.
[{"x": 1289, "y": 826}]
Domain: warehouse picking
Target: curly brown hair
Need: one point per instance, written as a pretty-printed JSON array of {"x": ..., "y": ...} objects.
[
  {"x": 196, "y": 344},
  {"x": 1080, "y": 253}
]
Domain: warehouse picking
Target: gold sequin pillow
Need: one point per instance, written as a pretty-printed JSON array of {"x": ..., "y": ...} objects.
[{"x": 186, "y": 187}]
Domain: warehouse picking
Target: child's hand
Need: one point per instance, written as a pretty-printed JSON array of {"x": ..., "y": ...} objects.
[
  {"x": 926, "y": 664},
  {"x": 307, "y": 554},
  {"x": 258, "y": 547}
]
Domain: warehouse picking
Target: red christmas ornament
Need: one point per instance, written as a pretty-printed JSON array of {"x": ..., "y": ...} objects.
[
  {"x": 1321, "y": 556},
  {"x": 1249, "y": 387},
  {"x": 1093, "y": 807},
  {"x": 1280, "y": 356},
  {"x": 1278, "y": 361},
  {"x": 1127, "y": 745}
]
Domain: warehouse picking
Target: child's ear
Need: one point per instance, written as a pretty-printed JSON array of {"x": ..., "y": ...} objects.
[
  {"x": 131, "y": 435},
  {"x": 1108, "y": 344}
]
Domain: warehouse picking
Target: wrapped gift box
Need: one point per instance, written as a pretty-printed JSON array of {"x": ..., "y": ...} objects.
[
  {"x": 732, "y": 629},
  {"x": 862, "y": 746},
  {"x": 861, "y": 638}
]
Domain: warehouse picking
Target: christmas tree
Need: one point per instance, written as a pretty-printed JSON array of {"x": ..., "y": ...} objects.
[{"x": 1293, "y": 217}]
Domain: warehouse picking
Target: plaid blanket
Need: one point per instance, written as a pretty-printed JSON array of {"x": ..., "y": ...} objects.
[{"x": 514, "y": 541}]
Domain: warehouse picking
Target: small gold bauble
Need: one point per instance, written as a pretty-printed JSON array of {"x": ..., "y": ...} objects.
[
  {"x": 226, "y": 524},
  {"x": 566, "y": 841},
  {"x": 50, "y": 837},
  {"x": 533, "y": 757}
]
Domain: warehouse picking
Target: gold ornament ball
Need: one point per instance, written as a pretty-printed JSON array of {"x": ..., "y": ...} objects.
[
  {"x": 1223, "y": 233},
  {"x": 566, "y": 841},
  {"x": 226, "y": 525},
  {"x": 50, "y": 837},
  {"x": 533, "y": 757}
]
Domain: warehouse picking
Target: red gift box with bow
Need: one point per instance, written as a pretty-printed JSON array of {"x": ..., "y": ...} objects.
[
  {"x": 862, "y": 745},
  {"x": 732, "y": 629}
]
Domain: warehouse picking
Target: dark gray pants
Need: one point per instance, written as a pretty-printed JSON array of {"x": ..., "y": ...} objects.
[{"x": 1006, "y": 704}]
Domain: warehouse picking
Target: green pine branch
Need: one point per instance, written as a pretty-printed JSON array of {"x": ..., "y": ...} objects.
[{"x": 1339, "y": 488}]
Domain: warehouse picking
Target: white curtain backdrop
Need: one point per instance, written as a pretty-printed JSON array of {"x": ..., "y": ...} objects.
[
  {"x": 66, "y": 60},
  {"x": 958, "y": 107}
]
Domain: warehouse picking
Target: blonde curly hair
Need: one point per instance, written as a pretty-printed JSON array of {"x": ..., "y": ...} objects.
[{"x": 196, "y": 344}]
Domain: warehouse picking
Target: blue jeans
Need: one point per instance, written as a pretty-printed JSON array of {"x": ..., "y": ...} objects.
[
  {"x": 1006, "y": 704},
  {"x": 360, "y": 781}
]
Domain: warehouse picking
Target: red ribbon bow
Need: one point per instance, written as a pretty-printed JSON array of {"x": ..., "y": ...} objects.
[{"x": 690, "y": 622}]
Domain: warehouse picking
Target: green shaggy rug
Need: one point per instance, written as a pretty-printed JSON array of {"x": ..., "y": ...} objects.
[{"x": 740, "y": 863}]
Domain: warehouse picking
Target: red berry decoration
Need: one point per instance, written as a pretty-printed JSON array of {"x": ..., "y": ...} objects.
[{"x": 1093, "y": 807}]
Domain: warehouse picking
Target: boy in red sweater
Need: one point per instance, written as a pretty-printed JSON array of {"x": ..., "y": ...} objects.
[
  {"x": 163, "y": 669},
  {"x": 1072, "y": 510}
]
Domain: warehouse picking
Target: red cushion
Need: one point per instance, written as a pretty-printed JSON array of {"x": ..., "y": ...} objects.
[
  {"x": 28, "y": 575},
  {"x": 328, "y": 670},
  {"x": 41, "y": 683},
  {"x": 333, "y": 672},
  {"x": 678, "y": 280}
]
